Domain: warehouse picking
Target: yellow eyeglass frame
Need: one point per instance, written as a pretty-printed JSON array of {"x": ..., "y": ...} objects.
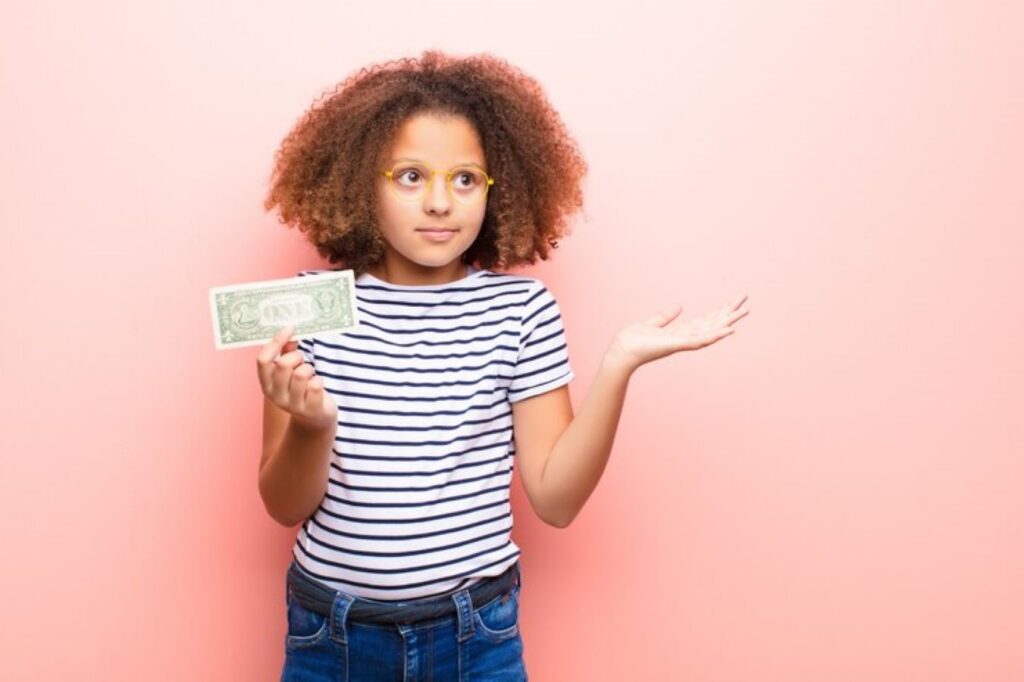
[{"x": 389, "y": 174}]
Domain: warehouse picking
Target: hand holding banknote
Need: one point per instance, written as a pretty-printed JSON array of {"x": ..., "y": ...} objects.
[{"x": 292, "y": 385}]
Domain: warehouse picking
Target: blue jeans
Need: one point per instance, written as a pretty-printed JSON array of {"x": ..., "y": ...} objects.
[{"x": 474, "y": 643}]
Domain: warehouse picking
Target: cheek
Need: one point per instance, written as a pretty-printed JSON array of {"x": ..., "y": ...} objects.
[
  {"x": 474, "y": 217},
  {"x": 392, "y": 213}
]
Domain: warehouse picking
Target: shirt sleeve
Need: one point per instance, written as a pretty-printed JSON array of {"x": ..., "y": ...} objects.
[{"x": 543, "y": 360}]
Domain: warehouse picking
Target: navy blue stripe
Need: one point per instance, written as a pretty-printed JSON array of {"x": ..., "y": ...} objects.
[
  {"x": 409, "y": 398},
  {"x": 421, "y": 443},
  {"x": 558, "y": 330},
  {"x": 360, "y": 472},
  {"x": 405, "y": 356},
  {"x": 461, "y": 341},
  {"x": 434, "y": 304},
  {"x": 489, "y": 323},
  {"x": 419, "y": 489},
  {"x": 411, "y": 536},
  {"x": 417, "y": 552},
  {"x": 428, "y": 503},
  {"x": 367, "y": 286},
  {"x": 543, "y": 383},
  {"x": 379, "y": 367},
  {"x": 538, "y": 356},
  {"x": 423, "y": 458},
  {"x": 406, "y": 586},
  {"x": 431, "y": 427},
  {"x": 428, "y": 384},
  {"x": 538, "y": 311},
  {"x": 411, "y": 569},
  {"x": 398, "y": 413},
  {"x": 482, "y": 277},
  {"x": 419, "y": 519}
]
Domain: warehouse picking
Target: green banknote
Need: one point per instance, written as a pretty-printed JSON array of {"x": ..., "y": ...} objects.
[{"x": 250, "y": 314}]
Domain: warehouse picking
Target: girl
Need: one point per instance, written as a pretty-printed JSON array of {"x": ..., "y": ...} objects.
[{"x": 394, "y": 444}]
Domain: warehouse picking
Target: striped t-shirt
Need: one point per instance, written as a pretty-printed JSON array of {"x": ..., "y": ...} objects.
[{"x": 417, "y": 504}]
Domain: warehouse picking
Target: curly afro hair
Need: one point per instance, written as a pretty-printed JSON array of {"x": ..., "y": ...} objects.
[{"x": 322, "y": 185}]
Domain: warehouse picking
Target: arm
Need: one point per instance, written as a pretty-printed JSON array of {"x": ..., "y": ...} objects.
[
  {"x": 294, "y": 466},
  {"x": 299, "y": 426},
  {"x": 562, "y": 457}
]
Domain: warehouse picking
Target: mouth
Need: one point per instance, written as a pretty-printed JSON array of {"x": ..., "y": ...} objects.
[{"x": 438, "y": 235}]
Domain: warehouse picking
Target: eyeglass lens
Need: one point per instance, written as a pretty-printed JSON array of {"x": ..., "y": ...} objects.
[{"x": 466, "y": 184}]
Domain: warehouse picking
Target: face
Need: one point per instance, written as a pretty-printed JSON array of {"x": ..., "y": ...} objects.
[{"x": 412, "y": 256}]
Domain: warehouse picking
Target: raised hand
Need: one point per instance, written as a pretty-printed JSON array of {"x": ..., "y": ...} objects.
[{"x": 667, "y": 333}]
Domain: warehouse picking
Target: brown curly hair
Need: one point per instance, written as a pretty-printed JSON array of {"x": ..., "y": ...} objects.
[{"x": 320, "y": 179}]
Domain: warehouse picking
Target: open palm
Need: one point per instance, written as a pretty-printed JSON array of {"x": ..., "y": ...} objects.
[{"x": 668, "y": 333}]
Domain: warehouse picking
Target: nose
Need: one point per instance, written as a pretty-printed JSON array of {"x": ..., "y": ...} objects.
[{"x": 436, "y": 200}]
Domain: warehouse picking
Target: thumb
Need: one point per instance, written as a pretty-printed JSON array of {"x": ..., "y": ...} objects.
[{"x": 665, "y": 316}]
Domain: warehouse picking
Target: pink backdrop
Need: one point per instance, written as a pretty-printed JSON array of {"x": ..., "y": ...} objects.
[{"x": 832, "y": 493}]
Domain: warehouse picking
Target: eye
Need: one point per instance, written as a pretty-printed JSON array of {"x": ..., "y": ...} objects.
[
  {"x": 411, "y": 174},
  {"x": 471, "y": 177}
]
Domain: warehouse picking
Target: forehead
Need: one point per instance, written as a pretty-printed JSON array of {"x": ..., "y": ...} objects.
[{"x": 441, "y": 141}]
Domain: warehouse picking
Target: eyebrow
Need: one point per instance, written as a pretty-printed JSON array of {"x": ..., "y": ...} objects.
[{"x": 460, "y": 165}]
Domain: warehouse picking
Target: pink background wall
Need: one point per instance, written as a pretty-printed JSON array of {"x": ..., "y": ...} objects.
[{"x": 832, "y": 493}]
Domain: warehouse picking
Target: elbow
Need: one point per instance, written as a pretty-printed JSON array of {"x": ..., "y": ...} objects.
[
  {"x": 286, "y": 522},
  {"x": 557, "y": 520},
  {"x": 552, "y": 514},
  {"x": 278, "y": 515},
  {"x": 283, "y": 518},
  {"x": 279, "y": 518},
  {"x": 561, "y": 523},
  {"x": 548, "y": 508}
]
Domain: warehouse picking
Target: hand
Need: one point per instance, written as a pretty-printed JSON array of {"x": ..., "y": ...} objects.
[
  {"x": 666, "y": 333},
  {"x": 291, "y": 389}
]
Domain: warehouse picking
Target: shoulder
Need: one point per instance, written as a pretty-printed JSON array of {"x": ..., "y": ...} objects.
[
  {"x": 529, "y": 286},
  {"x": 536, "y": 303}
]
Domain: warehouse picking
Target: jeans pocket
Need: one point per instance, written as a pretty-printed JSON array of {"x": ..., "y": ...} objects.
[
  {"x": 498, "y": 619},
  {"x": 305, "y": 627}
]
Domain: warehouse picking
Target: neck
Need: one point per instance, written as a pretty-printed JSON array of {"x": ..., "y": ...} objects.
[{"x": 417, "y": 275}]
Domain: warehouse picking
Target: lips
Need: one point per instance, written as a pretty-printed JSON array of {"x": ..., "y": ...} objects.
[{"x": 437, "y": 235}]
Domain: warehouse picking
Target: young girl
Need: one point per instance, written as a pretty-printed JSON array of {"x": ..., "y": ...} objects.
[{"x": 394, "y": 444}]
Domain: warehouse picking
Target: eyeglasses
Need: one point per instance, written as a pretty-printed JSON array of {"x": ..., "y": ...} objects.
[{"x": 466, "y": 184}]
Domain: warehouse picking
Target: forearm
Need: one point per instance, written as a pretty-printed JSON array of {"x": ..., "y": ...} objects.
[
  {"x": 293, "y": 481},
  {"x": 579, "y": 456}
]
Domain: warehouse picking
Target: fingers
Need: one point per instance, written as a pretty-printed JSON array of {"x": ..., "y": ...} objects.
[
  {"x": 276, "y": 359},
  {"x": 734, "y": 312},
  {"x": 314, "y": 395},
  {"x": 738, "y": 316},
  {"x": 716, "y": 336},
  {"x": 668, "y": 314},
  {"x": 296, "y": 387}
]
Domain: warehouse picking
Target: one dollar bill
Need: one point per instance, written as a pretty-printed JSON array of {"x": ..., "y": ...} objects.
[{"x": 250, "y": 314}]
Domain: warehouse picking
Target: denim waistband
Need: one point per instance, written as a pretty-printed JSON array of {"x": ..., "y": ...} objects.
[{"x": 320, "y": 598}]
